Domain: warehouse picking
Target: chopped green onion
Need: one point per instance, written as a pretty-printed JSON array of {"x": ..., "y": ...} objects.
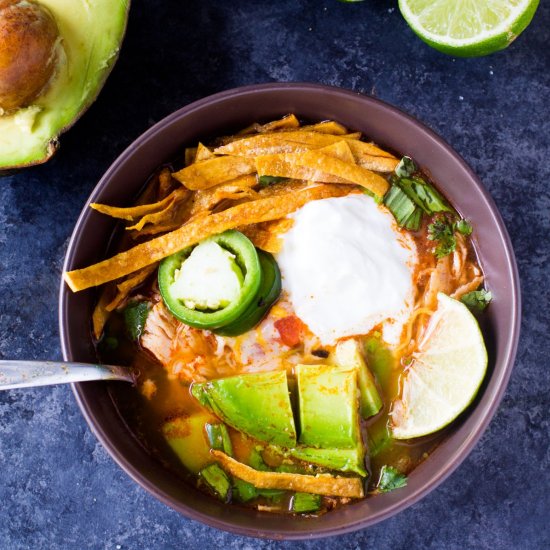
[
  {"x": 217, "y": 480},
  {"x": 244, "y": 491},
  {"x": 424, "y": 195},
  {"x": 390, "y": 479},
  {"x": 264, "y": 181},
  {"x": 218, "y": 438},
  {"x": 306, "y": 502},
  {"x": 406, "y": 167},
  {"x": 477, "y": 300},
  {"x": 406, "y": 213}
]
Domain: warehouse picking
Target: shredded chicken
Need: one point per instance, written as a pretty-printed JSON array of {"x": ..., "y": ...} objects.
[{"x": 187, "y": 354}]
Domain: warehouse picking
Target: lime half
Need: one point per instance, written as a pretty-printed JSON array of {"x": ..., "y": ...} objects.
[
  {"x": 468, "y": 28},
  {"x": 445, "y": 373}
]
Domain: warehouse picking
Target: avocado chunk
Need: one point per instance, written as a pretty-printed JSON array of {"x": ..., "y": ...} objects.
[
  {"x": 343, "y": 460},
  {"x": 186, "y": 436},
  {"x": 328, "y": 408},
  {"x": 305, "y": 502},
  {"x": 90, "y": 34},
  {"x": 348, "y": 356},
  {"x": 255, "y": 404}
]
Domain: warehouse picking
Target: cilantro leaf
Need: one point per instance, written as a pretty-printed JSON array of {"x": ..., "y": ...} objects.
[
  {"x": 406, "y": 167},
  {"x": 477, "y": 300},
  {"x": 464, "y": 227},
  {"x": 135, "y": 316},
  {"x": 390, "y": 479},
  {"x": 442, "y": 231}
]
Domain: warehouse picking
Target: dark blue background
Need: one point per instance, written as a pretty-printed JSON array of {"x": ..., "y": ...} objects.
[{"x": 58, "y": 487}]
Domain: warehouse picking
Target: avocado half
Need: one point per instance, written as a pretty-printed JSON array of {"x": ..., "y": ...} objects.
[{"x": 91, "y": 34}]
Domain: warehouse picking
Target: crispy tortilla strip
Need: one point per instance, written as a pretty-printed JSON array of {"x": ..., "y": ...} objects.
[
  {"x": 362, "y": 148},
  {"x": 323, "y": 484},
  {"x": 316, "y": 160},
  {"x": 101, "y": 315},
  {"x": 203, "y": 153},
  {"x": 239, "y": 188},
  {"x": 133, "y": 212},
  {"x": 287, "y": 122},
  {"x": 281, "y": 142},
  {"x": 267, "y": 235},
  {"x": 161, "y": 216},
  {"x": 377, "y": 164},
  {"x": 129, "y": 284},
  {"x": 327, "y": 127},
  {"x": 340, "y": 150},
  {"x": 166, "y": 183},
  {"x": 190, "y": 154},
  {"x": 284, "y": 166},
  {"x": 144, "y": 254},
  {"x": 214, "y": 171}
]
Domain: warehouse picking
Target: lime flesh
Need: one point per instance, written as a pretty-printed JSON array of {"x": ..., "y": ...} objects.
[
  {"x": 445, "y": 373},
  {"x": 468, "y": 28}
]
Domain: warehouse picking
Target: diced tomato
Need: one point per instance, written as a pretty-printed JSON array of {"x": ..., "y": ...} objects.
[{"x": 290, "y": 330}]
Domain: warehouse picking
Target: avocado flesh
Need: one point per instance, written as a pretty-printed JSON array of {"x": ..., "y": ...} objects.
[
  {"x": 348, "y": 356},
  {"x": 255, "y": 404},
  {"x": 91, "y": 32},
  {"x": 344, "y": 460},
  {"x": 328, "y": 408},
  {"x": 186, "y": 436}
]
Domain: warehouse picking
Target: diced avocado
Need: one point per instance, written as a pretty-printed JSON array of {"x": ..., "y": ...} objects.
[
  {"x": 90, "y": 37},
  {"x": 348, "y": 356},
  {"x": 255, "y": 404},
  {"x": 327, "y": 401},
  {"x": 219, "y": 439},
  {"x": 381, "y": 361},
  {"x": 244, "y": 491},
  {"x": 217, "y": 480},
  {"x": 379, "y": 438},
  {"x": 209, "y": 278},
  {"x": 187, "y": 437},
  {"x": 344, "y": 460},
  {"x": 305, "y": 502}
]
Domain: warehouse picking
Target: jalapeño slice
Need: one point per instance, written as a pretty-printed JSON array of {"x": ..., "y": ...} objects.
[
  {"x": 247, "y": 260},
  {"x": 269, "y": 291}
]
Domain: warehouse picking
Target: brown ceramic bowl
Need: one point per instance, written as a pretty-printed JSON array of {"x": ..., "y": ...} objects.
[{"x": 220, "y": 114}]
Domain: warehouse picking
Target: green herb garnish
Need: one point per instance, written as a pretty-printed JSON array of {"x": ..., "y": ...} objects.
[
  {"x": 464, "y": 227},
  {"x": 390, "y": 479},
  {"x": 477, "y": 300},
  {"x": 424, "y": 195},
  {"x": 442, "y": 231},
  {"x": 265, "y": 181},
  {"x": 406, "y": 167},
  {"x": 135, "y": 316}
]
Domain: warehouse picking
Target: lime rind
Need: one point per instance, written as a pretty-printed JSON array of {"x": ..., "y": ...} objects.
[
  {"x": 445, "y": 375},
  {"x": 468, "y": 28}
]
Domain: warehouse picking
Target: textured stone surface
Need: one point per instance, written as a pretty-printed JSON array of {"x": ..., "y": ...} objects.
[{"x": 58, "y": 487}]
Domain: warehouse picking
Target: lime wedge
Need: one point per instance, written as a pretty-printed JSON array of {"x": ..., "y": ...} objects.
[
  {"x": 445, "y": 372},
  {"x": 468, "y": 28}
]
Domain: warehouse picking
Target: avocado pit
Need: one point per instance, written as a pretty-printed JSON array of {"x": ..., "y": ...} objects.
[{"x": 28, "y": 42}]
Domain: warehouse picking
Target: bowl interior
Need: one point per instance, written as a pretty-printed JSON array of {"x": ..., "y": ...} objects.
[{"x": 387, "y": 126}]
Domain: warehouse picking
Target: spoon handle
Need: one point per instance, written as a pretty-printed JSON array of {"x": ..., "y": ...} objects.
[{"x": 27, "y": 374}]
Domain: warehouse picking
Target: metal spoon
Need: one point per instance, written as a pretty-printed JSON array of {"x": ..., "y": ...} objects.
[{"x": 28, "y": 374}]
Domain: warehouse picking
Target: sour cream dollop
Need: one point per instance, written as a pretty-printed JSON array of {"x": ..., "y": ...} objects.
[{"x": 347, "y": 268}]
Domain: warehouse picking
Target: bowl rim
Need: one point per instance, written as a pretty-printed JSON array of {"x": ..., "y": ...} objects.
[{"x": 481, "y": 422}]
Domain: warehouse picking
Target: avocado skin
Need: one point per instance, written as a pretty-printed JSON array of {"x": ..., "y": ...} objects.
[
  {"x": 256, "y": 404},
  {"x": 348, "y": 356},
  {"x": 91, "y": 36},
  {"x": 328, "y": 409}
]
